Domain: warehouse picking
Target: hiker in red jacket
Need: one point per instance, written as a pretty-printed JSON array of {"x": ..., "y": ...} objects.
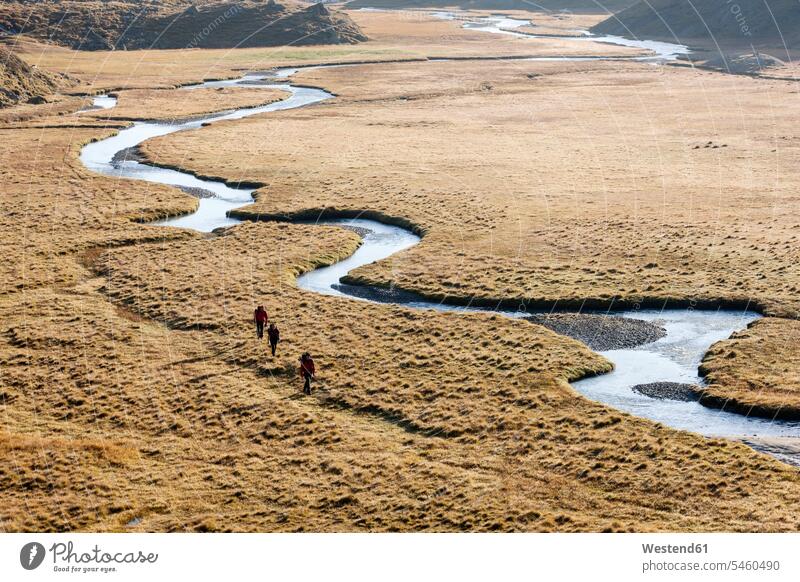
[
  {"x": 274, "y": 336},
  {"x": 261, "y": 318},
  {"x": 307, "y": 371}
]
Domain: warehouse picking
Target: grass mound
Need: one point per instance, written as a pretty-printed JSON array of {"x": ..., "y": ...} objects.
[
  {"x": 755, "y": 371},
  {"x": 20, "y": 82}
]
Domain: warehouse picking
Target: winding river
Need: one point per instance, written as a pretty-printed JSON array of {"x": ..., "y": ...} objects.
[
  {"x": 108, "y": 156},
  {"x": 673, "y": 358},
  {"x": 500, "y": 24}
]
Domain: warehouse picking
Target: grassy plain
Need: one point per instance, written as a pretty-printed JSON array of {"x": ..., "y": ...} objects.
[
  {"x": 582, "y": 182},
  {"x": 393, "y": 36},
  {"x": 165, "y": 104},
  {"x": 489, "y": 392},
  {"x": 135, "y": 397}
]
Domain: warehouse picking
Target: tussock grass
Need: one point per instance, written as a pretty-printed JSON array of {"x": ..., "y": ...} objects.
[
  {"x": 485, "y": 390},
  {"x": 54, "y": 208},
  {"x": 561, "y": 210},
  {"x": 135, "y": 396},
  {"x": 755, "y": 371}
]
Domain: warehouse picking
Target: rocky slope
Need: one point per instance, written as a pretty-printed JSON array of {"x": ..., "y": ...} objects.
[
  {"x": 718, "y": 21},
  {"x": 20, "y": 82},
  {"x": 101, "y": 25}
]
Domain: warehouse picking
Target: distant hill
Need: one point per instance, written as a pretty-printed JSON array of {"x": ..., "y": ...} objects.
[
  {"x": 726, "y": 21},
  {"x": 582, "y": 6},
  {"x": 20, "y": 82},
  {"x": 170, "y": 24}
]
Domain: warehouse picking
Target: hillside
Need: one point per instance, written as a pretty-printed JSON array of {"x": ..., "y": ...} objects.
[
  {"x": 743, "y": 22},
  {"x": 20, "y": 82},
  {"x": 102, "y": 25},
  {"x": 582, "y": 6}
]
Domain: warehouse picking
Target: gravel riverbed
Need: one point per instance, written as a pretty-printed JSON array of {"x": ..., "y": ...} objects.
[
  {"x": 602, "y": 332},
  {"x": 669, "y": 391}
]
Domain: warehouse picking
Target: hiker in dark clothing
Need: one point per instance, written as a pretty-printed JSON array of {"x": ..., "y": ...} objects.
[
  {"x": 260, "y": 317},
  {"x": 307, "y": 371},
  {"x": 274, "y": 336}
]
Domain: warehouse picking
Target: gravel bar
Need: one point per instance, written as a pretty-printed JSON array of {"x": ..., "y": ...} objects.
[
  {"x": 669, "y": 391},
  {"x": 602, "y": 332}
]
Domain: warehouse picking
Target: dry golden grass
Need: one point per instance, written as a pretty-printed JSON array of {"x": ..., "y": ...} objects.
[
  {"x": 133, "y": 388},
  {"x": 393, "y": 36},
  {"x": 437, "y": 37},
  {"x": 100, "y": 71},
  {"x": 561, "y": 24},
  {"x": 604, "y": 181},
  {"x": 408, "y": 362},
  {"x": 479, "y": 387},
  {"x": 53, "y": 208},
  {"x": 57, "y": 105},
  {"x": 755, "y": 371},
  {"x": 184, "y": 441},
  {"x": 182, "y": 103},
  {"x": 390, "y": 83}
]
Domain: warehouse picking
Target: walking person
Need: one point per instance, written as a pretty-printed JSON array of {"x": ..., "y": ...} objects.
[
  {"x": 307, "y": 371},
  {"x": 274, "y": 336},
  {"x": 261, "y": 318}
]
